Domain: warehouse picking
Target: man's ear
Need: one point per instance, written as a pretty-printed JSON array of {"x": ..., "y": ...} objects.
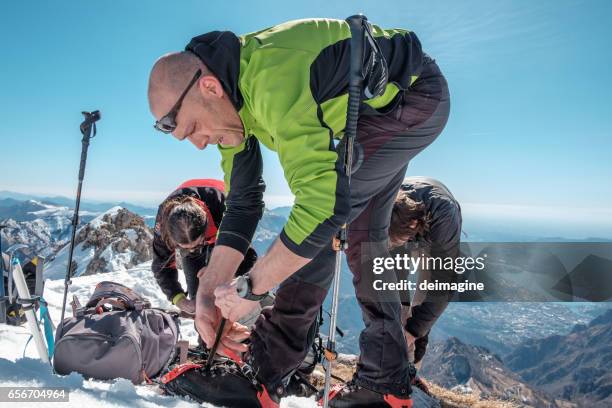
[{"x": 210, "y": 86}]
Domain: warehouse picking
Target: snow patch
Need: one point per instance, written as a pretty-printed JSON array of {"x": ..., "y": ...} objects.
[
  {"x": 56, "y": 269},
  {"x": 116, "y": 260},
  {"x": 131, "y": 234},
  {"x": 98, "y": 221},
  {"x": 29, "y": 371}
]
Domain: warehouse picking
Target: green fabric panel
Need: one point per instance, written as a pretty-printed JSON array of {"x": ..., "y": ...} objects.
[
  {"x": 391, "y": 90},
  {"x": 275, "y": 85},
  {"x": 334, "y": 114}
]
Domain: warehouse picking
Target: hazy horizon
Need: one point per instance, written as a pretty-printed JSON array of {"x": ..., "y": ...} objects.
[{"x": 491, "y": 218}]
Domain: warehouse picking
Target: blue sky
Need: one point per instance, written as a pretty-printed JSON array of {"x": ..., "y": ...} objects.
[{"x": 529, "y": 134}]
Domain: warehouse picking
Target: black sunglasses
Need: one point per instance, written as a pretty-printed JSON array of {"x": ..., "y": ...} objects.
[
  {"x": 167, "y": 123},
  {"x": 203, "y": 249}
]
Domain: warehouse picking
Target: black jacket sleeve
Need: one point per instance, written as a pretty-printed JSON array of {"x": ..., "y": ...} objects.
[{"x": 243, "y": 167}]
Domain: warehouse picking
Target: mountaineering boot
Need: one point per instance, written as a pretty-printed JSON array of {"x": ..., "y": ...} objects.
[
  {"x": 268, "y": 395},
  {"x": 352, "y": 395},
  {"x": 300, "y": 386},
  {"x": 267, "y": 400},
  {"x": 224, "y": 384}
]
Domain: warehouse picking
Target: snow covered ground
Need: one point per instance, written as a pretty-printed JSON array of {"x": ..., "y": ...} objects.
[{"x": 20, "y": 366}]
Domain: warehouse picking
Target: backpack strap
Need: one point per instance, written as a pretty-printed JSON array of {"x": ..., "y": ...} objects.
[
  {"x": 114, "y": 302},
  {"x": 113, "y": 290}
]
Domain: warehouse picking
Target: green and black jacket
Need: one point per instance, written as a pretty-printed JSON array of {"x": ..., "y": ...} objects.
[{"x": 289, "y": 84}]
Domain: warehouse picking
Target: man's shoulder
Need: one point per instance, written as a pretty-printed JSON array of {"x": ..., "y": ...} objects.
[{"x": 306, "y": 35}]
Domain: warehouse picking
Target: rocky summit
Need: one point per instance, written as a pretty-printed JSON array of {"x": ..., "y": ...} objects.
[{"x": 115, "y": 240}]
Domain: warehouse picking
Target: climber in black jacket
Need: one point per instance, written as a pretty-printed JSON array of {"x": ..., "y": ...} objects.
[
  {"x": 425, "y": 214},
  {"x": 187, "y": 221}
]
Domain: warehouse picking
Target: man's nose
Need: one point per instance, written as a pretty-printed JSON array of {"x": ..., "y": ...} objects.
[
  {"x": 177, "y": 136},
  {"x": 196, "y": 143}
]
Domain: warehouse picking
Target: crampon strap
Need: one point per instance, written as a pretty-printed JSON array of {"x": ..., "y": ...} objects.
[{"x": 178, "y": 370}]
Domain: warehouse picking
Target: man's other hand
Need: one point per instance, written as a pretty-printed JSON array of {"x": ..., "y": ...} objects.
[
  {"x": 207, "y": 321},
  {"x": 232, "y": 306},
  {"x": 187, "y": 306}
]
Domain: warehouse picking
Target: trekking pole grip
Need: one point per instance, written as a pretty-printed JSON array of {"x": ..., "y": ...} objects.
[{"x": 87, "y": 126}]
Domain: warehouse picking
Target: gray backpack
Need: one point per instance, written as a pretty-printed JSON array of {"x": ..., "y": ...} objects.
[{"x": 117, "y": 334}]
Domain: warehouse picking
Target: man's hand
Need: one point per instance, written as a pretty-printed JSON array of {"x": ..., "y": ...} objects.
[
  {"x": 207, "y": 319},
  {"x": 223, "y": 263},
  {"x": 232, "y": 306},
  {"x": 207, "y": 322},
  {"x": 187, "y": 306},
  {"x": 233, "y": 336},
  {"x": 410, "y": 340}
]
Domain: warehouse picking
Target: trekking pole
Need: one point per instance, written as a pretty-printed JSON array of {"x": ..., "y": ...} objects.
[
  {"x": 356, "y": 24},
  {"x": 2, "y": 289},
  {"x": 88, "y": 130}
]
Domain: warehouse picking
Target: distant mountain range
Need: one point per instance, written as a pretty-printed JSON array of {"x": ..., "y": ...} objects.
[
  {"x": 43, "y": 227},
  {"x": 475, "y": 370},
  {"x": 501, "y": 326},
  {"x": 575, "y": 366},
  {"x": 544, "y": 372},
  {"x": 8, "y": 198}
]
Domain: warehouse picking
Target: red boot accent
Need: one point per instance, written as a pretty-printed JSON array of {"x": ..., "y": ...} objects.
[
  {"x": 395, "y": 402},
  {"x": 335, "y": 389},
  {"x": 178, "y": 370},
  {"x": 264, "y": 399}
]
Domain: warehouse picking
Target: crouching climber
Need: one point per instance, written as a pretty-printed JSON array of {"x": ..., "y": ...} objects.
[
  {"x": 187, "y": 222},
  {"x": 427, "y": 218}
]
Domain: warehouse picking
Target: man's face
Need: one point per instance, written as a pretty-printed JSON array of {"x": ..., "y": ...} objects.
[
  {"x": 404, "y": 236},
  {"x": 206, "y": 116},
  {"x": 193, "y": 246}
]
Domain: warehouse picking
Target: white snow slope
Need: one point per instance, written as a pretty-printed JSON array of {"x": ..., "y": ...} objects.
[{"x": 19, "y": 371}]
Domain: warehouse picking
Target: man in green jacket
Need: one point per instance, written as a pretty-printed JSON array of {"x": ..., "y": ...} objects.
[{"x": 285, "y": 87}]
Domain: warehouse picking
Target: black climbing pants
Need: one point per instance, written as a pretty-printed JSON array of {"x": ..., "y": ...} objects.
[{"x": 385, "y": 143}]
